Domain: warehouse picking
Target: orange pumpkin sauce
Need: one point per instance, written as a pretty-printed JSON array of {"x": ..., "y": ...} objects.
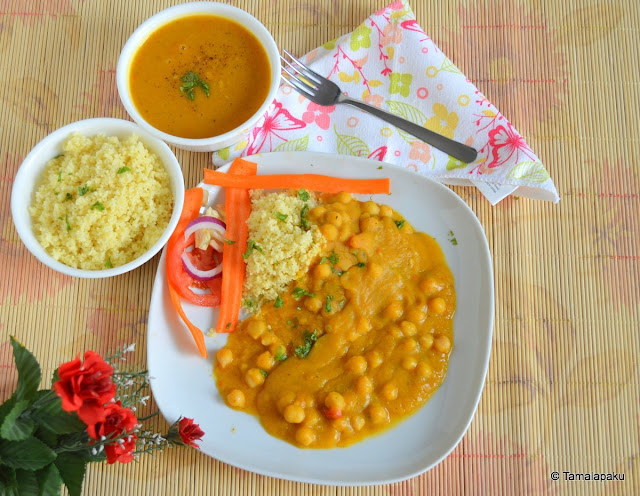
[
  {"x": 224, "y": 54},
  {"x": 381, "y": 303}
]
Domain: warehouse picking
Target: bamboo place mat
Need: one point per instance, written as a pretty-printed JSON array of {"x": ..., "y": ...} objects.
[{"x": 562, "y": 389}]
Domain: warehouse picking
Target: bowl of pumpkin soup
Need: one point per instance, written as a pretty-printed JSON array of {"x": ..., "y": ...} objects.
[{"x": 199, "y": 75}]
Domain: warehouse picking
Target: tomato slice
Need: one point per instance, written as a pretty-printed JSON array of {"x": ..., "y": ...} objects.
[{"x": 178, "y": 278}]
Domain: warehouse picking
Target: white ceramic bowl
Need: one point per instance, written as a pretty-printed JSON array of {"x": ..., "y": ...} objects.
[
  {"x": 33, "y": 165},
  {"x": 141, "y": 34}
]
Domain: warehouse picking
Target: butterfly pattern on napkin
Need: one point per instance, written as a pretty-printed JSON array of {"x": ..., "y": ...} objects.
[{"x": 390, "y": 62}]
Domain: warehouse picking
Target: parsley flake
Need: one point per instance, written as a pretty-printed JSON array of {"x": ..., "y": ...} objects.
[
  {"x": 108, "y": 265},
  {"x": 303, "y": 194},
  {"x": 97, "y": 206},
  {"x": 66, "y": 221},
  {"x": 399, "y": 223},
  {"x": 279, "y": 302},
  {"x": 452, "y": 239},
  {"x": 327, "y": 305},
  {"x": 252, "y": 245},
  {"x": 309, "y": 340},
  {"x": 82, "y": 190},
  {"x": 304, "y": 222},
  {"x": 361, "y": 264},
  {"x": 68, "y": 197},
  {"x": 281, "y": 354},
  {"x": 281, "y": 217},
  {"x": 59, "y": 177},
  {"x": 264, "y": 372},
  {"x": 229, "y": 241},
  {"x": 124, "y": 169},
  {"x": 299, "y": 292}
]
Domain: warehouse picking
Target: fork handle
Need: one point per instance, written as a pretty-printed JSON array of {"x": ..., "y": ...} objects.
[{"x": 457, "y": 150}]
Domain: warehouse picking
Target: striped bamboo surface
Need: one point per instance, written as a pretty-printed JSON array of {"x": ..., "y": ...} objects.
[{"x": 562, "y": 390}]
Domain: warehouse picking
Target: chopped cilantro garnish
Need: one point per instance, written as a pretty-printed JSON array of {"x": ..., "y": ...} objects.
[
  {"x": 281, "y": 354},
  {"x": 248, "y": 303},
  {"x": 82, "y": 190},
  {"x": 380, "y": 167},
  {"x": 281, "y": 217},
  {"x": 399, "y": 223},
  {"x": 333, "y": 258},
  {"x": 108, "y": 265},
  {"x": 299, "y": 292},
  {"x": 452, "y": 239},
  {"x": 251, "y": 245},
  {"x": 279, "y": 302},
  {"x": 264, "y": 372},
  {"x": 229, "y": 241},
  {"x": 68, "y": 197},
  {"x": 309, "y": 339},
  {"x": 97, "y": 206},
  {"x": 304, "y": 222},
  {"x": 59, "y": 177},
  {"x": 66, "y": 221},
  {"x": 361, "y": 264},
  {"x": 228, "y": 325},
  {"x": 124, "y": 169},
  {"x": 58, "y": 155},
  {"x": 293, "y": 323},
  {"x": 191, "y": 81},
  {"x": 304, "y": 195},
  {"x": 327, "y": 305}
]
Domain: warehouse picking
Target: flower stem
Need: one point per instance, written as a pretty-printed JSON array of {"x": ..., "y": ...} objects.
[{"x": 142, "y": 419}]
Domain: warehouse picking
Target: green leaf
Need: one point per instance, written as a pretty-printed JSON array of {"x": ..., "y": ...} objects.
[
  {"x": 28, "y": 371},
  {"x": 408, "y": 112},
  {"x": 296, "y": 145},
  {"x": 47, "y": 437},
  {"x": 8, "y": 482},
  {"x": 529, "y": 171},
  {"x": 351, "y": 145},
  {"x": 27, "y": 482},
  {"x": 452, "y": 164},
  {"x": 14, "y": 427},
  {"x": 6, "y": 407},
  {"x": 71, "y": 468},
  {"x": 30, "y": 454},
  {"x": 50, "y": 481},
  {"x": 65, "y": 423}
]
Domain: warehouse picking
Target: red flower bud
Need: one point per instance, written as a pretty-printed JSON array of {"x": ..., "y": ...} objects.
[{"x": 189, "y": 432}]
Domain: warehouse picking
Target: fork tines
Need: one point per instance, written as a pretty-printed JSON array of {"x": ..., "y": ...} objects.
[{"x": 299, "y": 75}]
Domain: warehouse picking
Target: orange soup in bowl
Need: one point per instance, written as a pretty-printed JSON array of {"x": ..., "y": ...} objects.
[{"x": 199, "y": 76}]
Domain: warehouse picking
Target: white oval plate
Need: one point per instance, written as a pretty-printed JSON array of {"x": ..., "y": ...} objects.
[{"x": 182, "y": 381}]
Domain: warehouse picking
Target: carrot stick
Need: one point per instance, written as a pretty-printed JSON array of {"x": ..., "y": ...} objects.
[
  {"x": 238, "y": 208},
  {"x": 313, "y": 182},
  {"x": 197, "y": 334}
]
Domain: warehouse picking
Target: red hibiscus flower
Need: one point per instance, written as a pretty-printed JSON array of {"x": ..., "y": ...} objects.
[
  {"x": 85, "y": 388},
  {"x": 117, "y": 421},
  {"x": 189, "y": 432}
]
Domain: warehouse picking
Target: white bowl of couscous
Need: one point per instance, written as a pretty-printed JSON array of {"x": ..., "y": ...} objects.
[{"x": 97, "y": 198}]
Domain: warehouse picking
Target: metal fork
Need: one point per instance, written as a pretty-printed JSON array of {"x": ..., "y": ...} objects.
[{"x": 320, "y": 90}]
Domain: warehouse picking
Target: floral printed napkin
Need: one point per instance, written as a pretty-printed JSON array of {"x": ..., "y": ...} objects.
[{"x": 388, "y": 61}]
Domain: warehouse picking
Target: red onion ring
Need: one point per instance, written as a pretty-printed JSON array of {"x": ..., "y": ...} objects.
[
  {"x": 197, "y": 274},
  {"x": 205, "y": 222}
]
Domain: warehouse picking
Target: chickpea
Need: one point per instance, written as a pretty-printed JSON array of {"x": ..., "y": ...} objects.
[
  {"x": 265, "y": 361},
  {"x": 357, "y": 364},
  {"x": 268, "y": 338},
  {"x": 236, "y": 399},
  {"x": 408, "y": 328},
  {"x": 305, "y": 436},
  {"x": 285, "y": 400},
  {"x": 409, "y": 363},
  {"x": 390, "y": 391},
  {"x": 426, "y": 341},
  {"x": 437, "y": 306},
  {"x": 364, "y": 385},
  {"x": 394, "y": 310},
  {"x": 313, "y": 304},
  {"x": 305, "y": 400},
  {"x": 334, "y": 400},
  {"x": 294, "y": 414},
  {"x": 375, "y": 270},
  {"x": 317, "y": 212},
  {"x": 350, "y": 400},
  {"x": 409, "y": 345},
  {"x": 374, "y": 358},
  {"x": 224, "y": 357},
  {"x": 322, "y": 271},
  {"x": 253, "y": 377},
  {"x": 334, "y": 218},
  {"x": 378, "y": 413},
  {"x": 363, "y": 326},
  {"x": 341, "y": 424},
  {"x": 370, "y": 224},
  {"x": 339, "y": 207},
  {"x": 395, "y": 331},
  {"x": 371, "y": 208},
  {"x": 277, "y": 349},
  {"x": 358, "y": 422},
  {"x": 385, "y": 211},
  {"x": 343, "y": 197},
  {"x": 416, "y": 315},
  {"x": 256, "y": 328},
  {"x": 430, "y": 286},
  {"x": 442, "y": 344},
  {"x": 424, "y": 370},
  {"x": 329, "y": 231}
]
